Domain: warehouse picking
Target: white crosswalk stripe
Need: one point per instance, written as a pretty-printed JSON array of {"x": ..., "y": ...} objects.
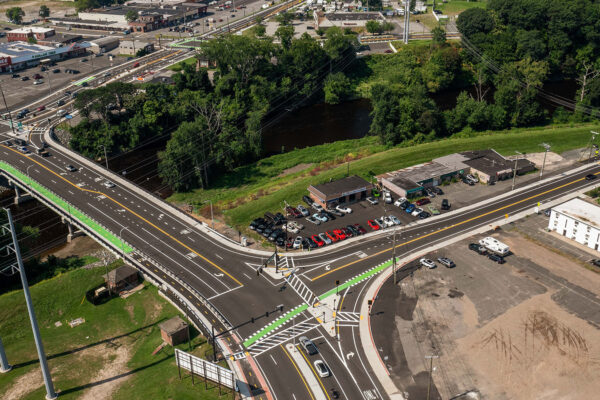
[
  {"x": 275, "y": 340},
  {"x": 344, "y": 316},
  {"x": 300, "y": 287}
]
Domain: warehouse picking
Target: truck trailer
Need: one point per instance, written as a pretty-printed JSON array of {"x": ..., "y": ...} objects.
[{"x": 495, "y": 246}]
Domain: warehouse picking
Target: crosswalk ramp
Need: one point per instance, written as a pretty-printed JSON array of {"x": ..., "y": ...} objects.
[
  {"x": 345, "y": 318},
  {"x": 275, "y": 340},
  {"x": 300, "y": 287}
]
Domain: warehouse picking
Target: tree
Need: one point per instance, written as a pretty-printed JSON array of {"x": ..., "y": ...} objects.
[
  {"x": 44, "y": 11},
  {"x": 259, "y": 30},
  {"x": 373, "y": 26},
  {"x": 387, "y": 26},
  {"x": 588, "y": 67},
  {"x": 285, "y": 33},
  {"x": 191, "y": 78},
  {"x": 336, "y": 88},
  {"x": 285, "y": 18},
  {"x": 131, "y": 16},
  {"x": 441, "y": 69},
  {"x": 475, "y": 20},
  {"x": 438, "y": 36},
  {"x": 15, "y": 14}
]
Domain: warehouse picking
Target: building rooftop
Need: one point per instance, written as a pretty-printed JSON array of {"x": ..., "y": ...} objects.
[
  {"x": 487, "y": 161},
  {"x": 118, "y": 274},
  {"x": 341, "y": 186},
  {"x": 454, "y": 161},
  {"x": 105, "y": 40},
  {"x": 173, "y": 325},
  {"x": 404, "y": 183},
  {"x": 21, "y": 49},
  {"x": 352, "y": 16},
  {"x": 581, "y": 210},
  {"x": 33, "y": 29}
]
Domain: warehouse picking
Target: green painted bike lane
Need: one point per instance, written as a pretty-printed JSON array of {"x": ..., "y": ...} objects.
[
  {"x": 84, "y": 219},
  {"x": 285, "y": 318}
]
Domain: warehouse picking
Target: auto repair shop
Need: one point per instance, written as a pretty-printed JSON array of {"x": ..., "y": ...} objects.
[{"x": 342, "y": 191}]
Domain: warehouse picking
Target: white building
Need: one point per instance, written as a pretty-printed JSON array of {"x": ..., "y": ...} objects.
[{"x": 578, "y": 220}]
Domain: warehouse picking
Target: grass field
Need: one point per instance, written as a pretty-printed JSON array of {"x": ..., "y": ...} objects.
[
  {"x": 108, "y": 356},
  {"x": 454, "y": 7},
  {"x": 179, "y": 66},
  {"x": 251, "y": 190}
]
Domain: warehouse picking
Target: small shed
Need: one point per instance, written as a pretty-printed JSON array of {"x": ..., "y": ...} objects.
[
  {"x": 174, "y": 331},
  {"x": 121, "y": 278}
]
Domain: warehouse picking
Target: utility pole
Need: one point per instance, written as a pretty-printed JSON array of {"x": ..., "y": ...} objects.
[
  {"x": 406, "y": 20},
  {"x": 105, "y": 156},
  {"x": 515, "y": 170},
  {"x": 592, "y": 144},
  {"x": 50, "y": 394},
  {"x": 212, "y": 219},
  {"x": 12, "y": 126},
  {"x": 430, "y": 372},
  {"x": 4, "y": 365},
  {"x": 547, "y": 147}
]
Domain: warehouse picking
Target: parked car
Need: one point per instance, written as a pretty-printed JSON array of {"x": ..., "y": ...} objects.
[
  {"x": 373, "y": 225},
  {"x": 340, "y": 234},
  {"x": 322, "y": 369},
  {"x": 335, "y": 212},
  {"x": 387, "y": 221},
  {"x": 303, "y": 210},
  {"x": 416, "y": 211},
  {"x": 344, "y": 209},
  {"x": 317, "y": 207},
  {"x": 446, "y": 262},
  {"x": 298, "y": 242},
  {"x": 445, "y": 204},
  {"x": 467, "y": 181},
  {"x": 332, "y": 236},
  {"x": 319, "y": 242},
  {"x": 296, "y": 225},
  {"x": 15, "y": 75},
  {"x": 476, "y": 247},
  {"x": 349, "y": 231},
  {"x": 430, "y": 192},
  {"x": 308, "y": 345},
  {"x": 308, "y": 243},
  {"x": 37, "y": 76},
  {"x": 438, "y": 190},
  {"x": 24, "y": 78},
  {"x": 472, "y": 178},
  {"x": 360, "y": 229},
  {"x": 405, "y": 204},
  {"x": 269, "y": 217},
  {"x": 387, "y": 196},
  {"x": 307, "y": 200},
  {"x": 380, "y": 222},
  {"x": 399, "y": 201},
  {"x": 433, "y": 210},
  {"x": 328, "y": 215},
  {"x": 290, "y": 228},
  {"x": 424, "y": 214},
  {"x": 313, "y": 220},
  {"x": 372, "y": 200},
  {"x": 293, "y": 212},
  {"x": 423, "y": 201},
  {"x": 395, "y": 220},
  {"x": 426, "y": 262},
  {"x": 56, "y": 71},
  {"x": 325, "y": 238},
  {"x": 38, "y": 82},
  {"x": 410, "y": 208},
  {"x": 320, "y": 217},
  {"x": 496, "y": 258}
]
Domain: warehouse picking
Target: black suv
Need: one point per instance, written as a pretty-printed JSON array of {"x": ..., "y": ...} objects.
[
  {"x": 477, "y": 248},
  {"x": 307, "y": 200},
  {"x": 445, "y": 204}
]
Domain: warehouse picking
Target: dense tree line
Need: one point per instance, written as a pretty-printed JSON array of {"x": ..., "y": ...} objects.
[{"x": 215, "y": 124}]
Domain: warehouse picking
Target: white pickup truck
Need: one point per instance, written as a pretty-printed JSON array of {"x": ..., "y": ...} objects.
[{"x": 495, "y": 246}]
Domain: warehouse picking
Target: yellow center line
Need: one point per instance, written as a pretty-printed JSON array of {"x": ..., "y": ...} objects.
[
  {"x": 298, "y": 371},
  {"x": 315, "y": 372},
  {"x": 446, "y": 228},
  {"x": 131, "y": 211}
]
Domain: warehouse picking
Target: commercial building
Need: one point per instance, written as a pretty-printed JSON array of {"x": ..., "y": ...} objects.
[
  {"x": 488, "y": 165},
  {"x": 20, "y": 55},
  {"x": 104, "y": 44},
  {"x": 343, "y": 191},
  {"x": 25, "y": 34},
  {"x": 345, "y": 19},
  {"x": 578, "y": 220},
  {"x": 131, "y": 47}
]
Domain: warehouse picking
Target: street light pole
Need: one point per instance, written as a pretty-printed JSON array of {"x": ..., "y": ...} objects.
[
  {"x": 430, "y": 372},
  {"x": 515, "y": 170},
  {"x": 592, "y": 144},
  {"x": 547, "y": 147},
  {"x": 12, "y": 126},
  {"x": 105, "y": 156}
]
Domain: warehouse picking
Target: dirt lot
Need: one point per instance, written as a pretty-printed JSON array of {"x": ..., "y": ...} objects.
[{"x": 528, "y": 329}]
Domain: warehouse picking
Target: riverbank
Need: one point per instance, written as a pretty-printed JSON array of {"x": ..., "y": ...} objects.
[{"x": 252, "y": 190}]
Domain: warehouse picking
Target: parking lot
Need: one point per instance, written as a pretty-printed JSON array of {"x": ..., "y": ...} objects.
[{"x": 501, "y": 331}]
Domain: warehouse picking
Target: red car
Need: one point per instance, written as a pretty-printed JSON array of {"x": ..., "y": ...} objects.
[
  {"x": 360, "y": 229},
  {"x": 423, "y": 201},
  {"x": 373, "y": 225},
  {"x": 40, "y": 108},
  {"x": 340, "y": 234},
  {"x": 332, "y": 236},
  {"x": 293, "y": 211},
  {"x": 317, "y": 240}
]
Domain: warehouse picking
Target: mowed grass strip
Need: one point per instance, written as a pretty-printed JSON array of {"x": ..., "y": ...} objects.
[
  {"x": 252, "y": 190},
  {"x": 110, "y": 354}
]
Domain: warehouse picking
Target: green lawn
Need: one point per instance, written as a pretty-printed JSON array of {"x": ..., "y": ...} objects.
[
  {"x": 179, "y": 66},
  {"x": 251, "y": 190},
  {"x": 454, "y": 7},
  {"x": 77, "y": 355}
]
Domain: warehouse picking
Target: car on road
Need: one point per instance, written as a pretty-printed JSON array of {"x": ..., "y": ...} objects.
[
  {"x": 399, "y": 201},
  {"x": 71, "y": 168},
  {"x": 59, "y": 103},
  {"x": 372, "y": 200},
  {"x": 313, "y": 220},
  {"x": 446, "y": 262},
  {"x": 325, "y": 238},
  {"x": 297, "y": 242},
  {"x": 40, "y": 108},
  {"x": 496, "y": 258},
  {"x": 426, "y": 262},
  {"x": 61, "y": 113},
  {"x": 423, "y": 201},
  {"x": 7, "y": 143},
  {"x": 320, "y": 217},
  {"x": 445, "y": 204},
  {"x": 318, "y": 240},
  {"x": 109, "y": 184},
  {"x": 321, "y": 368},
  {"x": 303, "y": 210},
  {"x": 590, "y": 177},
  {"x": 343, "y": 209},
  {"x": 23, "y": 149},
  {"x": 308, "y": 345},
  {"x": 135, "y": 65},
  {"x": 373, "y": 225}
]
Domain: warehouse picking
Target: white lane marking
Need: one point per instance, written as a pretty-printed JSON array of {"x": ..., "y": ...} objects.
[
  {"x": 273, "y": 358},
  {"x": 218, "y": 256},
  {"x": 246, "y": 275},
  {"x": 225, "y": 292}
]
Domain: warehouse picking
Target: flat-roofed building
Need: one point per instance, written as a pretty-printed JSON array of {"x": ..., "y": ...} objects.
[
  {"x": 342, "y": 191},
  {"x": 579, "y": 220},
  {"x": 131, "y": 47},
  {"x": 25, "y": 34}
]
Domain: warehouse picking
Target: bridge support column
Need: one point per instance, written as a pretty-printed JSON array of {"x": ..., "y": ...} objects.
[
  {"x": 73, "y": 233},
  {"x": 21, "y": 196}
]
